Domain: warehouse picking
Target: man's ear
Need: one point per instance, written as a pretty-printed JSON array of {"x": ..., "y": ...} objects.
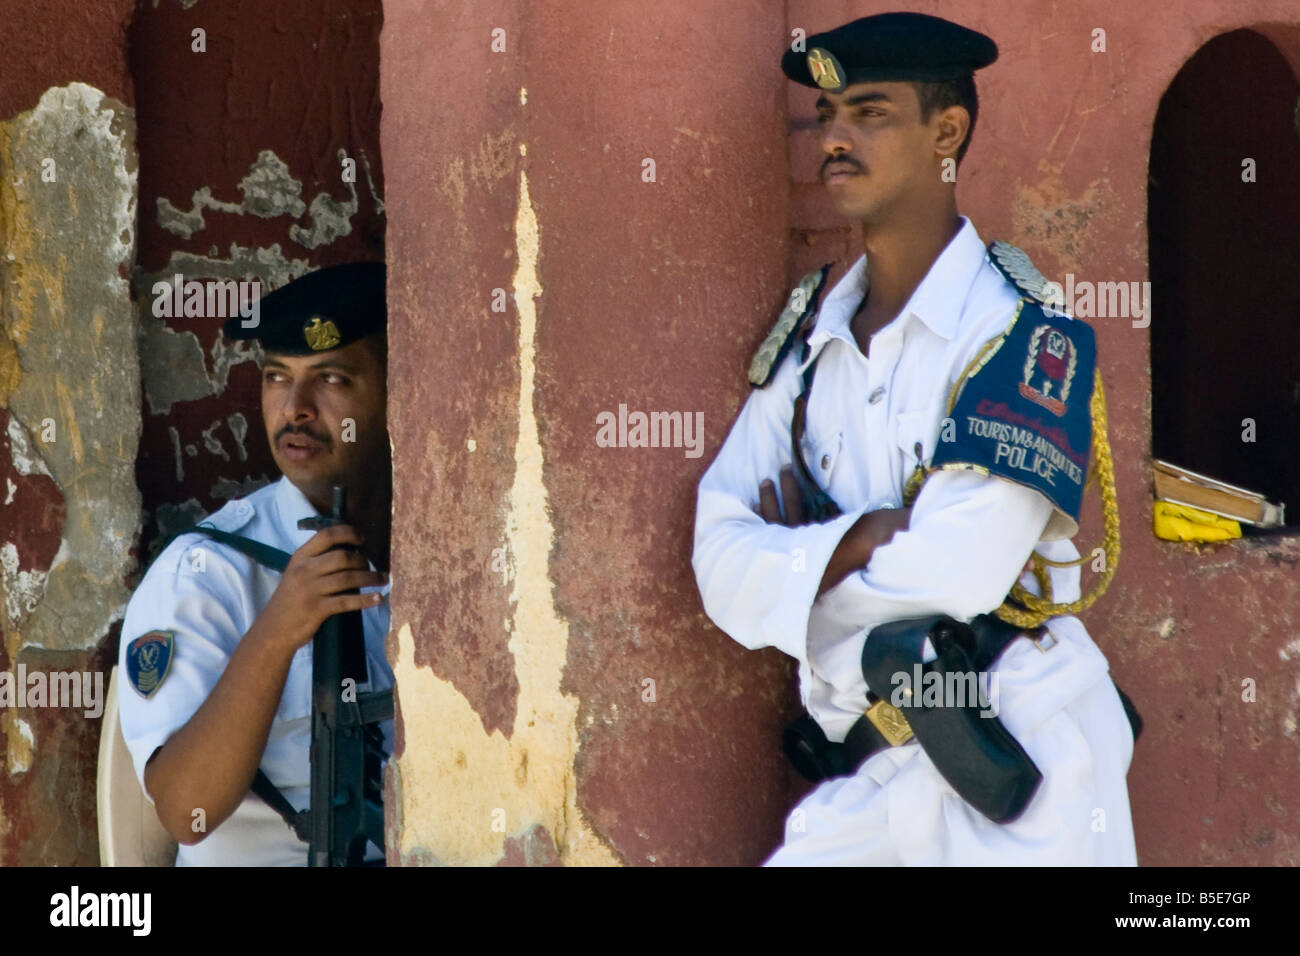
[{"x": 951, "y": 127}]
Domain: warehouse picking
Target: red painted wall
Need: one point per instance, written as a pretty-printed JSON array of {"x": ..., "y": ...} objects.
[
  {"x": 298, "y": 78},
  {"x": 656, "y": 294},
  {"x": 48, "y": 811},
  {"x": 55, "y": 43}
]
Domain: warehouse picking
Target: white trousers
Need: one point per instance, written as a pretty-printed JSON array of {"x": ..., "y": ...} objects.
[{"x": 897, "y": 810}]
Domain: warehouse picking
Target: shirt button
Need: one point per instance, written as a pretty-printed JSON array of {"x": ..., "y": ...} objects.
[
  {"x": 877, "y": 395},
  {"x": 826, "y": 461}
]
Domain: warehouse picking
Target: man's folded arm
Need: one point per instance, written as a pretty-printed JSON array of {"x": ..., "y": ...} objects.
[
  {"x": 967, "y": 543},
  {"x": 757, "y": 580}
]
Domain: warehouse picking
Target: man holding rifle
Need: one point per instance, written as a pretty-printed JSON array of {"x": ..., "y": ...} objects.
[{"x": 217, "y": 643}]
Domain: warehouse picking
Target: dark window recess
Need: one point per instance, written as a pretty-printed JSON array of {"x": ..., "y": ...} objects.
[{"x": 1225, "y": 268}]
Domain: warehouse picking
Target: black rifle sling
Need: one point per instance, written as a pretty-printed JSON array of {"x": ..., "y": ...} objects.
[
  {"x": 263, "y": 554},
  {"x": 264, "y": 788},
  {"x": 820, "y": 505}
]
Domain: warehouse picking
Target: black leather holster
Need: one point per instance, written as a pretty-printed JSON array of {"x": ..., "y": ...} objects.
[{"x": 966, "y": 743}]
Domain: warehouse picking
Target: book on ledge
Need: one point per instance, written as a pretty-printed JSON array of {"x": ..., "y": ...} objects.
[{"x": 1184, "y": 487}]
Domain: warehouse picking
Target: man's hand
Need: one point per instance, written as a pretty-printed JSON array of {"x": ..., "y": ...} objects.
[
  {"x": 871, "y": 531},
  {"x": 209, "y": 763},
  {"x": 770, "y": 509},
  {"x": 314, "y": 585}
]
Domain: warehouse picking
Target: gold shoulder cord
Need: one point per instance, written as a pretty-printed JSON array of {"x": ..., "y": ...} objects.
[{"x": 1029, "y": 610}]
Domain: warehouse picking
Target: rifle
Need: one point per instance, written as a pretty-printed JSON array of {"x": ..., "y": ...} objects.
[{"x": 346, "y": 743}]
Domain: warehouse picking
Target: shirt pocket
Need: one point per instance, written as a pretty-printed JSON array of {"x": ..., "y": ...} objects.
[{"x": 913, "y": 429}]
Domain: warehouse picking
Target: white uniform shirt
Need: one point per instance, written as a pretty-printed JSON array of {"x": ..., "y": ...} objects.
[
  {"x": 968, "y": 540},
  {"x": 208, "y": 595}
]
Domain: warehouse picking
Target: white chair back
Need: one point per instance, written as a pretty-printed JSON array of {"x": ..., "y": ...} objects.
[{"x": 130, "y": 833}]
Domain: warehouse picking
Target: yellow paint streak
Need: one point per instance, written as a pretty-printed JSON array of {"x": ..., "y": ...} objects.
[
  {"x": 35, "y": 284},
  {"x": 457, "y": 780},
  {"x": 68, "y": 412},
  {"x": 11, "y": 372}
]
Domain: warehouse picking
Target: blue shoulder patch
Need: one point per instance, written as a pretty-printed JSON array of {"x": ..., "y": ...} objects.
[
  {"x": 1025, "y": 413},
  {"x": 148, "y": 658}
]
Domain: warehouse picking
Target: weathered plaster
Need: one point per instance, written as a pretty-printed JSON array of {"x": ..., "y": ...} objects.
[
  {"x": 173, "y": 365},
  {"x": 268, "y": 190},
  {"x": 330, "y": 219},
  {"x": 69, "y": 391},
  {"x": 477, "y": 788},
  {"x": 67, "y": 245},
  {"x": 175, "y": 368}
]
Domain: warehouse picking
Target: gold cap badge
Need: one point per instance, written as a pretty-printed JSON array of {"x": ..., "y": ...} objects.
[
  {"x": 825, "y": 69},
  {"x": 320, "y": 334}
]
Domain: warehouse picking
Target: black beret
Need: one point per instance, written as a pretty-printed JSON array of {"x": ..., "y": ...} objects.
[
  {"x": 889, "y": 47},
  {"x": 325, "y": 309}
]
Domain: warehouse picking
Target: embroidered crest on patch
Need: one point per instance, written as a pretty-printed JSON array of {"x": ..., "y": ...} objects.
[
  {"x": 1049, "y": 369},
  {"x": 1042, "y": 364},
  {"x": 148, "y": 658}
]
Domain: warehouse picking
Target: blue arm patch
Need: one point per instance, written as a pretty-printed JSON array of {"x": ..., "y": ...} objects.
[{"x": 1025, "y": 413}]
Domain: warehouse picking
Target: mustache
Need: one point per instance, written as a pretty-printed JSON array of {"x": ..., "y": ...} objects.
[
  {"x": 291, "y": 430},
  {"x": 842, "y": 161}
]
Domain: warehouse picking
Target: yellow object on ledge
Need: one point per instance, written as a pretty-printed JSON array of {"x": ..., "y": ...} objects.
[{"x": 1183, "y": 523}]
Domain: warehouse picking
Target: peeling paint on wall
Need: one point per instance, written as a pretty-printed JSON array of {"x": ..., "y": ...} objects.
[
  {"x": 330, "y": 218},
  {"x": 479, "y": 789},
  {"x": 69, "y": 426},
  {"x": 21, "y": 743},
  {"x": 1047, "y": 219},
  {"x": 66, "y": 310},
  {"x": 268, "y": 189}
]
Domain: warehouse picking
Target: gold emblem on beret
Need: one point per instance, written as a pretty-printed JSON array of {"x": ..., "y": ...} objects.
[
  {"x": 825, "y": 69},
  {"x": 320, "y": 334}
]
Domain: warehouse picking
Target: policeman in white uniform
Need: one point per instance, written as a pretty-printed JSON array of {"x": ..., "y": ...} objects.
[
  {"x": 201, "y": 597},
  {"x": 877, "y": 411}
]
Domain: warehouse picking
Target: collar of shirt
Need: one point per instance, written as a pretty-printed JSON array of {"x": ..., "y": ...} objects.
[
  {"x": 292, "y": 505},
  {"x": 936, "y": 301}
]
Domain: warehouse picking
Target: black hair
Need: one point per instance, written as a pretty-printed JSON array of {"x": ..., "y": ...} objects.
[{"x": 940, "y": 96}]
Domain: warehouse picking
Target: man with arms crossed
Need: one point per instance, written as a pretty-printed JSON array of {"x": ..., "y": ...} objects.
[{"x": 837, "y": 555}]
